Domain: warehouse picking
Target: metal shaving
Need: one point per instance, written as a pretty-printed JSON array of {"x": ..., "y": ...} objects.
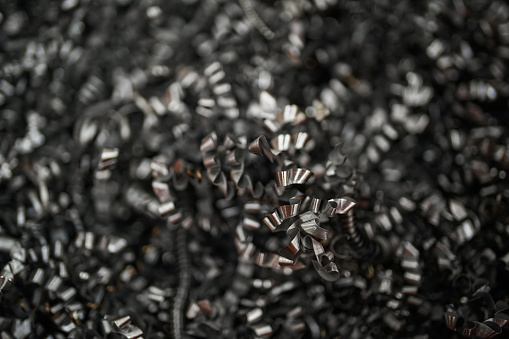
[{"x": 248, "y": 169}]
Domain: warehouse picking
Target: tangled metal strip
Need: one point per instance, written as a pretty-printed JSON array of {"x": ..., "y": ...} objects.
[
  {"x": 168, "y": 208},
  {"x": 308, "y": 222},
  {"x": 255, "y": 19},
  {"x": 324, "y": 263},
  {"x": 184, "y": 279},
  {"x": 225, "y": 99},
  {"x": 283, "y": 179},
  {"x": 66, "y": 309},
  {"x": 282, "y": 213},
  {"x": 474, "y": 329},
  {"x": 213, "y": 164},
  {"x": 362, "y": 246},
  {"x": 243, "y": 182},
  {"x": 249, "y": 252},
  {"x": 230, "y": 156}
]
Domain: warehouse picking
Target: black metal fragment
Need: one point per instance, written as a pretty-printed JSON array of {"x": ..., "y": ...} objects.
[{"x": 145, "y": 145}]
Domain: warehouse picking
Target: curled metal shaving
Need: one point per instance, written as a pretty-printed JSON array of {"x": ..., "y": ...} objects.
[
  {"x": 184, "y": 277},
  {"x": 230, "y": 156},
  {"x": 260, "y": 146},
  {"x": 470, "y": 329},
  {"x": 419, "y": 139},
  {"x": 324, "y": 263},
  {"x": 127, "y": 329},
  {"x": 109, "y": 158},
  {"x": 255, "y": 19},
  {"x": 294, "y": 176},
  {"x": 284, "y": 142},
  {"x": 168, "y": 209}
]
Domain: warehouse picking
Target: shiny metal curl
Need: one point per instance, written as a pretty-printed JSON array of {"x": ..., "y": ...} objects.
[{"x": 294, "y": 176}]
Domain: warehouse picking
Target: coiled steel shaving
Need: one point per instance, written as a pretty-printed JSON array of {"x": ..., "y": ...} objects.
[{"x": 253, "y": 168}]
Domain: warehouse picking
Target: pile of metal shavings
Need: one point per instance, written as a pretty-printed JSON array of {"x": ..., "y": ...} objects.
[{"x": 252, "y": 168}]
